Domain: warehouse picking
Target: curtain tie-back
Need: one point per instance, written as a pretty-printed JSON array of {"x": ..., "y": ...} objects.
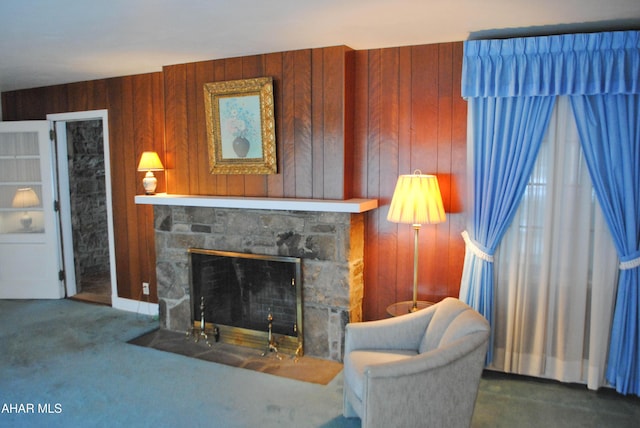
[
  {"x": 476, "y": 248},
  {"x": 631, "y": 261}
]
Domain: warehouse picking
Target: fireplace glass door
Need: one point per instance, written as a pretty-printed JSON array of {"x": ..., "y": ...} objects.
[{"x": 247, "y": 297}]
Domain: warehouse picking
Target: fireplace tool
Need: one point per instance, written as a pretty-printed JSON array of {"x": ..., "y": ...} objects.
[
  {"x": 203, "y": 332},
  {"x": 272, "y": 346}
]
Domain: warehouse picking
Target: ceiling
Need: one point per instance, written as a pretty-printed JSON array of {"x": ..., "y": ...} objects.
[{"x": 45, "y": 42}]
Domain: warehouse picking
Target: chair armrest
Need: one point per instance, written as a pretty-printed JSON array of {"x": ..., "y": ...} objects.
[{"x": 403, "y": 332}]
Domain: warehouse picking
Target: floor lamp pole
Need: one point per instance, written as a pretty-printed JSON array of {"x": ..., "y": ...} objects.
[{"x": 416, "y": 230}]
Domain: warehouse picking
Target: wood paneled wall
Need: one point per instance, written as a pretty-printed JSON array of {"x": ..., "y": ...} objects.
[
  {"x": 135, "y": 106},
  {"x": 347, "y": 124},
  {"x": 312, "y": 108},
  {"x": 409, "y": 115}
]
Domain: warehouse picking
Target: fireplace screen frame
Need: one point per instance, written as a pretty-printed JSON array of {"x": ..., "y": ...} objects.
[{"x": 260, "y": 339}]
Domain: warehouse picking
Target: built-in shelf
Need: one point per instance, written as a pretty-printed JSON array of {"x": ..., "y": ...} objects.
[{"x": 281, "y": 204}]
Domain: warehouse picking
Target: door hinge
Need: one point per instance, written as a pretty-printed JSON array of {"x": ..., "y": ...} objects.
[
  {"x": 61, "y": 275},
  {"x": 52, "y": 134},
  {"x": 56, "y": 206}
]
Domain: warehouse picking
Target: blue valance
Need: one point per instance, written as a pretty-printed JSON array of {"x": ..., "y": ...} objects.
[{"x": 570, "y": 64}]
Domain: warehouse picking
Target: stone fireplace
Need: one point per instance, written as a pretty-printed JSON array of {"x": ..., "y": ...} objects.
[{"x": 328, "y": 237}]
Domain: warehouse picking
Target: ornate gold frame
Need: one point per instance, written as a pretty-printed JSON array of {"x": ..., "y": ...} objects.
[{"x": 221, "y": 100}]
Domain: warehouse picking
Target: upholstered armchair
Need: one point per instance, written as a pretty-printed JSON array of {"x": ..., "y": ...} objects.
[{"x": 417, "y": 370}]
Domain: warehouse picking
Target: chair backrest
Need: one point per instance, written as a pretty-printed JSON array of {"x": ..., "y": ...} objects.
[{"x": 452, "y": 320}]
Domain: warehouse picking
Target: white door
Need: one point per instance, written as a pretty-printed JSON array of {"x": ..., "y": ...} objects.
[{"x": 29, "y": 247}]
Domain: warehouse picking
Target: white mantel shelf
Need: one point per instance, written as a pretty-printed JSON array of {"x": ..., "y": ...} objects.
[{"x": 280, "y": 204}]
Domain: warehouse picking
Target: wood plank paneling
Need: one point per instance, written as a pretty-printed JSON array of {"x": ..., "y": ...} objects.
[
  {"x": 176, "y": 136},
  {"x": 287, "y": 121},
  {"x": 409, "y": 114},
  {"x": 273, "y": 67},
  {"x": 191, "y": 132},
  {"x": 374, "y": 287},
  {"x": 388, "y": 118},
  {"x": 78, "y": 96},
  {"x": 302, "y": 124},
  {"x": 334, "y": 115},
  {"x": 128, "y": 169},
  {"x": 306, "y": 82},
  {"x": 118, "y": 184},
  {"x": 317, "y": 121},
  {"x": 440, "y": 259},
  {"x": 458, "y": 173},
  {"x": 347, "y": 124},
  {"x": 360, "y": 169}
]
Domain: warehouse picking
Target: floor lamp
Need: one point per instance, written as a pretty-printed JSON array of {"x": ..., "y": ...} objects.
[{"x": 416, "y": 201}]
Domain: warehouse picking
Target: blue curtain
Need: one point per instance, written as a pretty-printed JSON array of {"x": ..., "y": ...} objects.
[
  {"x": 507, "y": 133},
  {"x": 609, "y": 127},
  {"x": 495, "y": 75}
]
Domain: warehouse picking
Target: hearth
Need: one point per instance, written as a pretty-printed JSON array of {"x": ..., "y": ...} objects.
[{"x": 247, "y": 299}]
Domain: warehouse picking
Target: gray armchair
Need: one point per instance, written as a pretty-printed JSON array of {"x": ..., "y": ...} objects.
[{"x": 416, "y": 370}]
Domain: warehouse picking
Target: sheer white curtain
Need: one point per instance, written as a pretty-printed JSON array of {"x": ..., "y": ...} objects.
[{"x": 556, "y": 269}]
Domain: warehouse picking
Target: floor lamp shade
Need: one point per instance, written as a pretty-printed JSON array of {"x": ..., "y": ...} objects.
[
  {"x": 416, "y": 201},
  {"x": 149, "y": 162}
]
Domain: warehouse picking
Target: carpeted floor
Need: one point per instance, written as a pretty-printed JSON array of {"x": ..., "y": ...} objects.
[
  {"x": 71, "y": 362},
  {"x": 73, "y": 358}
]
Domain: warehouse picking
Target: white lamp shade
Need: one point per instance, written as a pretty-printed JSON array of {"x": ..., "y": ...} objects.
[
  {"x": 150, "y": 161},
  {"x": 25, "y": 198},
  {"x": 417, "y": 200}
]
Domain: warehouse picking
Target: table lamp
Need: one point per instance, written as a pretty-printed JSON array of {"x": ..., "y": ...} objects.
[
  {"x": 25, "y": 198},
  {"x": 149, "y": 162}
]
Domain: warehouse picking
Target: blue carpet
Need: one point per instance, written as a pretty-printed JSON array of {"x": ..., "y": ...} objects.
[{"x": 67, "y": 364}]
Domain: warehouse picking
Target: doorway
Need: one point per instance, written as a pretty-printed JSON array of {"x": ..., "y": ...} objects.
[
  {"x": 84, "y": 191},
  {"x": 85, "y": 149}
]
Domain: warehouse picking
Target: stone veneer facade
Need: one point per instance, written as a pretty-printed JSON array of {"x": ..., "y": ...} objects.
[
  {"x": 88, "y": 198},
  {"x": 330, "y": 244}
]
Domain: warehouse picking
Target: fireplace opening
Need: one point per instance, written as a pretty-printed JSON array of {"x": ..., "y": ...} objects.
[{"x": 248, "y": 299}]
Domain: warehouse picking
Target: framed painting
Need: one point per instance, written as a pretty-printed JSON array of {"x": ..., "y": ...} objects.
[{"x": 241, "y": 126}]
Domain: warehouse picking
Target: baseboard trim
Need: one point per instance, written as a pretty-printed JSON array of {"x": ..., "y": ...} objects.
[{"x": 144, "y": 308}]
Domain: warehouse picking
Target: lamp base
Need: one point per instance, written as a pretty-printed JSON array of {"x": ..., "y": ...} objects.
[
  {"x": 149, "y": 182},
  {"x": 26, "y": 221}
]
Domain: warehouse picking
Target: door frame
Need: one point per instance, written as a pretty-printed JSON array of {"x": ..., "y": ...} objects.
[
  {"x": 65, "y": 205},
  {"x": 59, "y": 122}
]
